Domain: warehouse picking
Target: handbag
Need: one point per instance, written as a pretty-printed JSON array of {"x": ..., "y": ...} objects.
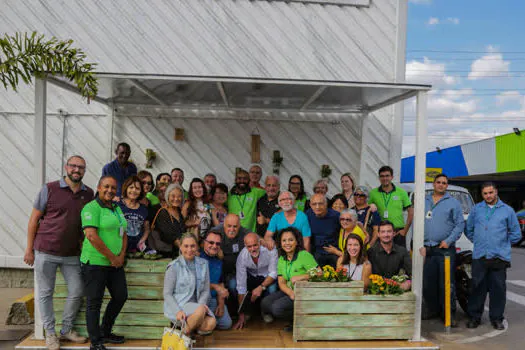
[{"x": 175, "y": 339}]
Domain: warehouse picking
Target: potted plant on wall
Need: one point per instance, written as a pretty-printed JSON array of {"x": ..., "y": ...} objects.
[{"x": 277, "y": 160}]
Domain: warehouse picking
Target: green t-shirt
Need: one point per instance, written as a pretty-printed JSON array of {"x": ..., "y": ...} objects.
[
  {"x": 108, "y": 224},
  {"x": 303, "y": 262},
  {"x": 154, "y": 200},
  {"x": 246, "y": 207},
  {"x": 391, "y": 205},
  {"x": 300, "y": 204}
]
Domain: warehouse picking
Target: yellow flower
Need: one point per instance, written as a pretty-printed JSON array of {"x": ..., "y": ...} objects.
[
  {"x": 326, "y": 274},
  {"x": 382, "y": 288}
]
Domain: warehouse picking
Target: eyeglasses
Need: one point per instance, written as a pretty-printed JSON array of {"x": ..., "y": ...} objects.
[
  {"x": 218, "y": 244},
  {"x": 317, "y": 204},
  {"x": 362, "y": 195},
  {"x": 346, "y": 220},
  {"x": 75, "y": 166},
  {"x": 285, "y": 199},
  {"x": 147, "y": 183}
]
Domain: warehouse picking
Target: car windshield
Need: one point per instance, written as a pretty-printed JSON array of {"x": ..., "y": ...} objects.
[{"x": 463, "y": 198}]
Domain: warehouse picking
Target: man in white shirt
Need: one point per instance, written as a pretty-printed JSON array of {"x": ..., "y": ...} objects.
[{"x": 256, "y": 272}]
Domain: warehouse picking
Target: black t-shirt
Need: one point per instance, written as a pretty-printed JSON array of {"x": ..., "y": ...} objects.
[
  {"x": 267, "y": 209},
  {"x": 231, "y": 247}
]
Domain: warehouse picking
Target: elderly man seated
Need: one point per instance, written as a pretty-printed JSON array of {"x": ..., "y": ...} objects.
[
  {"x": 389, "y": 259},
  {"x": 256, "y": 273},
  {"x": 289, "y": 216},
  {"x": 232, "y": 244}
]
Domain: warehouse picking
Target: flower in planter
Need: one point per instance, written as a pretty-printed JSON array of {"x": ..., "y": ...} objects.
[
  {"x": 328, "y": 274},
  {"x": 386, "y": 286}
]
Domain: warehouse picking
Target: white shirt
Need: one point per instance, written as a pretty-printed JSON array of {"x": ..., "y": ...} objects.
[{"x": 266, "y": 266}]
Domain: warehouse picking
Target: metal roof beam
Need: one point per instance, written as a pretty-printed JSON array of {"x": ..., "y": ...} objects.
[
  {"x": 392, "y": 100},
  {"x": 314, "y": 97},
  {"x": 220, "y": 86},
  {"x": 145, "y": 90},
  {"x": 69, "y": 87}
]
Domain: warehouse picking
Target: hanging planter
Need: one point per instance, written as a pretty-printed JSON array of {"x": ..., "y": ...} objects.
[
  {"x": 151, "y": 155},
  {"x": 326, "y": 171},
  {"x": 277, "y": 160}
]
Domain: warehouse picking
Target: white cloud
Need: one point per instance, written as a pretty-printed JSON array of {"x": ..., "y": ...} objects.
[
  {"x": 457, "y": 94},
  {"x": 432, "y": 21},
  {"x": 444, "y": 106},
  {"x": 508, "y": 96},
  {"x": 428, "y": 72},
  {"x": 490, "y": 65},
  {"x": 453, "y": 20}
]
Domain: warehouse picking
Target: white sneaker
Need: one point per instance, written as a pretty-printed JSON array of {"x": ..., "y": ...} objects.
[
  {"x": 52, "y": 342},
  {"x": 74, "y": 337},
  {"x": 267, "y": 318}
]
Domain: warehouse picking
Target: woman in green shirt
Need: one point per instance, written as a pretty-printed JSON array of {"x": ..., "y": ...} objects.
[
  {"x": 293, "y": 265},
  {"x": 296, "y": 186},
  {"x": 102, "y": 261}
]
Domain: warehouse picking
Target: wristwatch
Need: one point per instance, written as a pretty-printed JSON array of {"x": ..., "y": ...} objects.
[{"x": 263, "y": 287}]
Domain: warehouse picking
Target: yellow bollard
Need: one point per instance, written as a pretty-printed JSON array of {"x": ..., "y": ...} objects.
[{"x": 447, "y": 293}]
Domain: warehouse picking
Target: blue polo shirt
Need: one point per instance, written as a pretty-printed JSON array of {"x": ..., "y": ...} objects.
[
  {"x": 445, "y": 221},
  {"x": 215, "y": 265},
  {"x": 279, "y": 222},
  {"x": 114, "y": 169},
  {"x": 492, "y": 230},
  {"x": 325, "y": 230}
]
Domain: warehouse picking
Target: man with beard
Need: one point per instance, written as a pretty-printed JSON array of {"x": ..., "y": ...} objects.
[
  {"x": 242, "y": 200},
  {"x": 120, "y": 168},
  {"x": 289, "y": 216},
  {"x": 53, "y": 241},
  {"x": 267, "y": 205},
  {"x": 256, "y": 273},
  {"x": 492, "y": 226}
]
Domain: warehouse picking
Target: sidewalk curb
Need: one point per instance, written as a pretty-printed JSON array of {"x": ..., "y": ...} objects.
[{"x": 22, "y": 311}]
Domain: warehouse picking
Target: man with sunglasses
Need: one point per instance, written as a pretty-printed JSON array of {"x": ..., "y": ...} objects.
[
  {"x": 219, "y": 293},
  {"x": 444, "y": 224},
  {"x": 391, "y": 202},
  {"x": 53, "y": 241}
]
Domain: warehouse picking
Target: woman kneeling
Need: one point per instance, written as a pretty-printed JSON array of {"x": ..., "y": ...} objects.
[
  {"x": 293, "y": 265},
  {"x": 187, "y": 289}
]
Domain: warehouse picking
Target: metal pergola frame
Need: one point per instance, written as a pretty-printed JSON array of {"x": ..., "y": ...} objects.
[{"x": 381, "y": 94}]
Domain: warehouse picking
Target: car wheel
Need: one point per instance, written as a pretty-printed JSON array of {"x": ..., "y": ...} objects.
[{"x": 463, "y": 282}]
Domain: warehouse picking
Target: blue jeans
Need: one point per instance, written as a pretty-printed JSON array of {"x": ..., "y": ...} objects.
[
  {"x": 434, "y": 280},
  {"x": 491, "y": 280},
  {"x": 223, "y": 322},
  {"x": 45, "y": 270}
]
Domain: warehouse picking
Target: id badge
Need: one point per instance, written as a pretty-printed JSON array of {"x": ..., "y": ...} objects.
[
  {"x": 241, "y": 215},
  {"x": 121, "y": 231},
  {"x": 429, "y": 214},
  {"x": 385, "y": 214},
  {"x": 235, "y": 248}
]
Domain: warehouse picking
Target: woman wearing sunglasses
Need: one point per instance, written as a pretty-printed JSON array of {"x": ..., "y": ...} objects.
[
  {"x": 348, "y": 221},
  {"x": 367, "y": 215}
]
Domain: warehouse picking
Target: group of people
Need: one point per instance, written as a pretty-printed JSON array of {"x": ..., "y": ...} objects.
[{"x": 234, "y": 251}]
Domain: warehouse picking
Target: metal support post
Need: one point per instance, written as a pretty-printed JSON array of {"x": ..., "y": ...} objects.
[
  {"x": 39, "y": 149},
  {"x": 447, "y": 294},
  {"x": 419, "y": 209}
]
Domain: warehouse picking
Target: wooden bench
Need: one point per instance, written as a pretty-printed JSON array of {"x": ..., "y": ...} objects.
[
  {"x": 144, "y": 308},
  {"x": 341, "y": 311}
]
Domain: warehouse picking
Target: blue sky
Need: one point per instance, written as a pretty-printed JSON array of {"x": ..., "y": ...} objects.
[{"x": 473, "y": 53}]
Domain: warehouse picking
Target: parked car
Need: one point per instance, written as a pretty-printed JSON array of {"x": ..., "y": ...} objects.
[{"x": 463, "y": 245}]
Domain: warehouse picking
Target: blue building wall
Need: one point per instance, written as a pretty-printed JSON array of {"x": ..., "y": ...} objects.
[{"x": 451, "y": 160}]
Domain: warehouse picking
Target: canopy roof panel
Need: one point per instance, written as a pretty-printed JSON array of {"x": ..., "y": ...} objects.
[{"x": 308, "y": 96}]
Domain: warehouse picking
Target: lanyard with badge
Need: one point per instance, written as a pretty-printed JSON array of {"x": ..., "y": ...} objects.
[
  {"x": 121, "y": 225},
  {"x": 488, "y": 215},
  {"x": 289, "y": 270},
  {"x": 241, "y": 204},
  {"x": 432, "y": 206},
  {"x": 386, "y": 200}
]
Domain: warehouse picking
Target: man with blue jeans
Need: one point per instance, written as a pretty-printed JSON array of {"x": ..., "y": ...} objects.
[
  {"x": 493, "y": 227},
  {"x": 444, "y": 224},
  {"x": 256, "y": 272},
  {"x": 53, "y": 241},
  {"x": 219, "y": 294}
]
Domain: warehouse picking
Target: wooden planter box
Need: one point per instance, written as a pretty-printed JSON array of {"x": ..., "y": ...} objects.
[
  {"x": 142, "y": 316},
  {"x": 341, "y": 311}
]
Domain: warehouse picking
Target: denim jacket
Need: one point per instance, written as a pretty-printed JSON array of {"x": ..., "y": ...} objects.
[
  {"x": 180, "y": 284},
  {"x": 492, "y": 230}
]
